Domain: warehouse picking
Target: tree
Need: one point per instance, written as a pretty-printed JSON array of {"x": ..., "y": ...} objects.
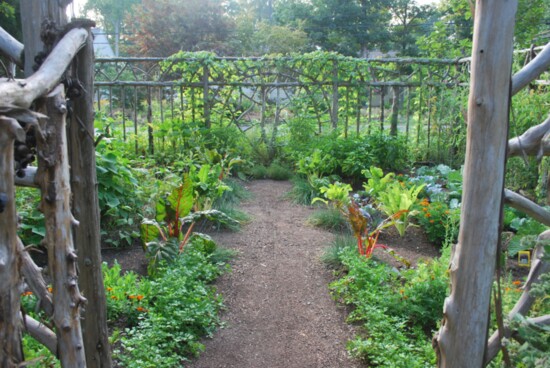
[
  {"x": 10, "y": 18},
  {"x": 161, "y": 28},
  {"x": 112, "y": 14},
  {"x": 452, "y": 32},
  {"x": 410, "y": 21},
  {"x": 351, "y": 27}
]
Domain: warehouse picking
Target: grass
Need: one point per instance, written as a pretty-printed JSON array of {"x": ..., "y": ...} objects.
[
  {"x": 329, "y": 219},
  {"x": 332, "y": 255},
  {"x": 302, "y": 192}
]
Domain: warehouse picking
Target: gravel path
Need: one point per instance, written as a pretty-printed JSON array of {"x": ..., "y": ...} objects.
[{"x": 279, "y": 312}]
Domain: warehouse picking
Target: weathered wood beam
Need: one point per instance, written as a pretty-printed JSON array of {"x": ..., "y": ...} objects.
[
  {"x": 54, "y": 178},
  {"x": 531, "y": 143},
  {"x": 34, "y": 279},
  {"x": 10, "y": 326},
  {"x": 41, "y": 333},
  {"x": 11, "y": 48},
  {"x": 526, "y": 206},
  {"x": 462, "y": 338},
  {"x": 525, "y": 302},
  {"x": 22, "y": 93},
  {"x": 86, "y": 210},
  {"x": 29, "y": 180},
  {"x": 532, "y": 70}
]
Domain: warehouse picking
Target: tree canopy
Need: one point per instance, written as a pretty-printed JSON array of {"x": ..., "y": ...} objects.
[
  {"x": 259, "y": 27},
  {"x": 163, "y": 27}
]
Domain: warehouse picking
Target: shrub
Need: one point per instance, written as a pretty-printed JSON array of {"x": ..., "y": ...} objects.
[
  {"x": 278, "y": 172},
  {"x": 258, "y": 172}
]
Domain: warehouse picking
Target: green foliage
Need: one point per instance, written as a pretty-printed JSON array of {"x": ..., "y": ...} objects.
[
  {"x": 332, "y": 256},
  {"x": 302, "y": 191},
  {"x": 119, "y": 196},
  {"x": 399, "y": 199},
  {"x": 31, "y": 226},
  {"x": 376, "y": 181},
  {"x": 258, "y": 172},
  {"x": 278, "y": 172},
  {"x": 526, "y": 232},
  {"x": 437, "y": 220},
  {"x": 337, "y": 194},
  {"x": 183, "y": 310},
  {"x": 329, "y": 219},
  {"x": 396, "y": 311},
  {"x": 128, "y": 296}
]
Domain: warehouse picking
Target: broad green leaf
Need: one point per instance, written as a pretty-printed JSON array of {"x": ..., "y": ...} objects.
[{"x": 150, "y": 230}]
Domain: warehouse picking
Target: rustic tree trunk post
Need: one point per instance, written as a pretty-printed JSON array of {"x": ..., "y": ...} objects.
[
  {"x": 462, "y": 339},
  {"x": 86, "y": 210},
  {"x": 206, "y": 96},
  {"x": 11, "y": 353},
  {"x": 335, "y": 96},
  {"x": 32, "y": 14},
  {"x": 394, "y": 110},
  {"x": 54, "y": 179}
]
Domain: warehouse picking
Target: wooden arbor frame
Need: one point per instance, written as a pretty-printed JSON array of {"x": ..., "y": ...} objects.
[
  {"x": 66, "y": 178},
  {"x": 462, "y": 339}
]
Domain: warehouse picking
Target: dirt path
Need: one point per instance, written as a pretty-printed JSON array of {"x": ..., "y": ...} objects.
[{"x": 279, "y": 312}]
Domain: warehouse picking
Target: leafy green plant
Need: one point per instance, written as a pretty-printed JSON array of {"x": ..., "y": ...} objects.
[
  {"x": 119, "y": 196},
  {"x": 376, "y": 181},
  {"x": 397, "y": 199},
  {"x": 184, "y": 310},
  {"x": 128, "y": 295},
  {"x": 31, "y": 227},
  {"x": 396, "y": 329},
  {"x": 526, "y": 232}
]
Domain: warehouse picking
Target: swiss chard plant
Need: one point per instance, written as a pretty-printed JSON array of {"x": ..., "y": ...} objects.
[
  {"x": 176, "y": 214},
  {"x": 397, "y": 202}
]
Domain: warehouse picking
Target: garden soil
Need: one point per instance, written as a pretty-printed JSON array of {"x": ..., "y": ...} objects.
[{"x": 279, "y": 313}]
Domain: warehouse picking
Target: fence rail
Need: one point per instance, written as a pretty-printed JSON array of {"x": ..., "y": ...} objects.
[{"x": 417, "y": 97}]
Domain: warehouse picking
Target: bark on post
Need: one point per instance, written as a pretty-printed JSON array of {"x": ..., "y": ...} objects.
[
  {"x": 86, "y": 211},
  {"x": 54, "y": 179},
  {"x": 10, "y": 326},
  {"x": 462, "y": 338},
  {"x": 394, "y": 120},
  {"x": 33, "y": 14}
]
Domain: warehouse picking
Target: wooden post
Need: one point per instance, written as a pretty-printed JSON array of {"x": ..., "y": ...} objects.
[
  {"x": 205, "y": 96},
  {"x": 462, "y": 339},
  {"x": 11, "y": 354},
  {"x": 54, "y": 179},
  {"x": 136, "y": 120},
  {"x": 150, "y": 122},
  {"x": 32, "y": 15},
  {"x": 335, "y": 97},
  {"x": 86, "y": 210},
  {"x": 382, "y": 110},
  {"x": 394, "y": 111}
]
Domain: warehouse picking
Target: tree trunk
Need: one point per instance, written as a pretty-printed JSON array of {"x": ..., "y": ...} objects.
[
  {"x": 11, "y": 353},
  {"x": 33, "y": 13},
  {"x": 54, "y": 179},
  {"x": 86, "y": 210},
  {"x": 462, "y": 338},
  {"x": 394, "y": 111}
]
